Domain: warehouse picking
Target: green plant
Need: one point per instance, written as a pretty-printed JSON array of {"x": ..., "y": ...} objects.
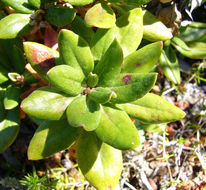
[
  {"x": 34, "y": 182},
  {"x": 98, "y": 80},
  {"x": 191, "y": 43}
]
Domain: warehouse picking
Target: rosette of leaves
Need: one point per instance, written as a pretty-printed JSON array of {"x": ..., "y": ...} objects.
[{"x": 96, "y": 86}]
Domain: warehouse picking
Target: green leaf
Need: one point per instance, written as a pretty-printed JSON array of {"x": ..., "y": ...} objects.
[
  {"x": 75, "y": 52},
  {"x": 46, "y": 103},
  {"x": 191, "y": 34},
  {"x": 100, "y": 15},
  {"x": 41, "y": 57},
  {"x": 12, "y": 97},
  {"x": 83, "y": 112},
  {"x": 193, "y": 52},
  {"x": 66, "y": 79},
  {"x": 79, "y": 27},
  {"x": 153, "y": 29},
  {"x": 131, "y": 86},
  {"x": 92, "y": 80},
  {"x": 18, "y": 59},
  {"x": 3, "y": 75},
  {"x": 14, "y": 25},
  {"x": 136, "y": 2},
  {"x": 152, "y": 109},
  {"x": 21, "y": 6},
  {"x": 116, "y": 129},
  {"x": 143, "y": 60},
  {"x": 35, "y": 3},
  {"x": 109, "y": 66},
  {"x": 101, "y": 95},
  {"x": 101, "y": 42},
  {"x": 50, "y": 138},
  {"x": 2, "y": 110},
  {"x": 9, "y": 128},
  {"x": 153, "y": 128},
  {"x": 79, "y": 2},
  {"x": 100, "y": 163},
  {"x": 59, "y": 16},
  {"x": 169, "y": 64},
  {"x": 129, "y": 30}
]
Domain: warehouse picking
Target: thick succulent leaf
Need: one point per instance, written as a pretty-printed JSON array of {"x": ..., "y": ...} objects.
[
  {"x": 50, "y": 138},
  {"x": 131, "y": 86},
  {"x": 79, "y": 27},
  {"x": 143, "y": 60},
  {"x": 117, "y": 129},
  {"x": 129, "y": 30},
  {"x": 79, "y": 2},
  {"x": 21, "y": 6},
  {"x": 169, "y": 64},
  {"x": 9, "y": 128},
  {"x": 3, "y": 75},
  {"x": 192, "y": 53},
  {"x": 152, "y": 109},
  {"x": 14, "y": 25},
  {"x": 59, "y": 16},
  {"x": 100, "y": 163},
  {"x": 153, "y": 29},
  {"x": 101, "y": 42},
  {"x": 109, "y": 66},
  {"x": 101, "y": 95},
  {"x": 191, "y": 34},
  {"x": 92, "y": 80},
  {"x": 75, "y": 52},
  {"x": 66, "y": 79},
  {"x": 2, "y": 110},
  {"x": 100, "y": 15},
  {"x": 35, "y": 3},
  {"x": 41, "y": 57},
  {"x": 12, "y": 97},
  {"x": 83, "y": 112},
  {"x": 46, "y": 103}
]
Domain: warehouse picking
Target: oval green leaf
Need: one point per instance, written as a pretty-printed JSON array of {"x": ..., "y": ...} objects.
[
  {"x": 129, "y": 30},
  {"x": 110, "y": 64},
  {"x": 35, "y": 3},
  {"x": 66, "y": 79},
  {"x": 83, "y": 112},
  {"x": 21, "y": 6},
  {"x": 50, "y": 138},
  {"x": 14, "y": 25},
  {"x": 117, "y": 129},
  {"x": 75, "y": 52},
  {"x": 143, "y": 60},
  {"x": 12, "y": 97},
  {"x": 131, "y": 86},
  {"x": 59, "y": 16},
  {"x": 152, "y": 109},
  {"x": 46, "y": 103},
  {"x": 9, "y": 128},
  {"x": 153, "y": 29},
  {"x": 100, "y": 15},
  {"x": 101, "y": 95},
  {"x": 100, "y": 163}
]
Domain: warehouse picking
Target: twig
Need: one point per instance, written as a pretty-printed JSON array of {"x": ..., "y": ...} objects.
[
  {"x": 145, "y": 180},
  {"x": 129, "y": 185}
]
